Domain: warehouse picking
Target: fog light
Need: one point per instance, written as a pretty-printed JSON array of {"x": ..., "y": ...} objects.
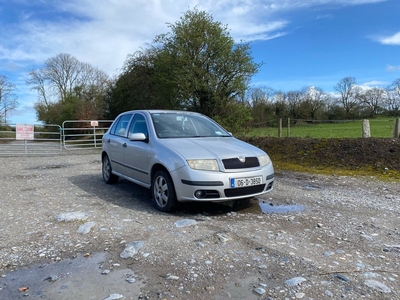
[
  {"x": 270, "y": 186},
  {"x": 200, "y": 194}
]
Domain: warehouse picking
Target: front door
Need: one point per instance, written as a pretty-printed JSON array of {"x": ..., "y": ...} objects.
[{"x": 138, "y": 153}]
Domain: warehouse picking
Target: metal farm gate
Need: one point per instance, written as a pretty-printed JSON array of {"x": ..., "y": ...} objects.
[
  {"x": 39, "y": 139},
  {"x": 84, "y": 134},
  {"x": 33, "y": 139}
]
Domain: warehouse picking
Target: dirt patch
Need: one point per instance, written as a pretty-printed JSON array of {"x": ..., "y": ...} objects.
[{"x": 375, "y": 154}]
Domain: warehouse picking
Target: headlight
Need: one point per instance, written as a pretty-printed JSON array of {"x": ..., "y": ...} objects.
[
  {"x": 203, "y": 164},
  {"x": 264, "y": 160}
]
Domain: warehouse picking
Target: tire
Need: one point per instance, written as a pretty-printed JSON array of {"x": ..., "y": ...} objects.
[
  {"x": 106, "y": 169},
  {"x": 163, "y": 192}
]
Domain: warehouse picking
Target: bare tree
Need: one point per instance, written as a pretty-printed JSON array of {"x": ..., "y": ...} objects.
[
  {"x": 61, "y": 75},
  {"x": 63, "y": 78},
  {"x": 393, "y": 98},
  {"x": 314, "y": 101},
  {"x": 294, "y": 100},
  {"x": 349, "y": 94},
  {"x": 281, "y": 104},
  {"x": 8, "y": 100},
  {"x": 259, "y": 98},
  {"x": 374, "y": 99}
]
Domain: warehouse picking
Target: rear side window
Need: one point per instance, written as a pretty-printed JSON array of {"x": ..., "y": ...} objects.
[{"x": 120, "y": 126}]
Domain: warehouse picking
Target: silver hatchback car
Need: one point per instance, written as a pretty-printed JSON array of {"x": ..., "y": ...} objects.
[{"x": 183, "y": 156}]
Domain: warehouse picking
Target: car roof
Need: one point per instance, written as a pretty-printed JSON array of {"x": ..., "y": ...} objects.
[{"x": 161, "y": 111}]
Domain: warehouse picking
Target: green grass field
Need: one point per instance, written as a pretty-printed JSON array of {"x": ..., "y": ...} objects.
[{"x": 380, "y": 128}]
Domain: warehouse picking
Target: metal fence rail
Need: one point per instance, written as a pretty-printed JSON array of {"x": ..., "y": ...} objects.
[
  {"x": 84, "y": 134},
  {"x": 44, "y": 140}
]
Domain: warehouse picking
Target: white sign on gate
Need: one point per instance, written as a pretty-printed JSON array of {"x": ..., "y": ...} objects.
[{"x": 24, "y": 132}]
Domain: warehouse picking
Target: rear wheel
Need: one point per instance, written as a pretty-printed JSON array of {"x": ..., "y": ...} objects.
[
  {"x": 108, "y": 176},
  {"x": 163, "y": 191}
]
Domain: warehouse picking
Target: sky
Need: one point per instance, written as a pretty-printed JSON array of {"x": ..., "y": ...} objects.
[{"x": 299, "y": 42}]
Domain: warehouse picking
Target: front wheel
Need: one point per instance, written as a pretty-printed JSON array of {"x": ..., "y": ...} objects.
[
  {"x": 108, "y": 176},
  {"x": 164, "y": 197}
]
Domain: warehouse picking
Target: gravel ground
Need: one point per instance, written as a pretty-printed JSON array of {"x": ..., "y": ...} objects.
[{"x": 64, "y": 234}]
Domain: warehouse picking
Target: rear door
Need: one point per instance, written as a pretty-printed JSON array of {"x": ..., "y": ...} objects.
[{"x": 116, "y": 141}]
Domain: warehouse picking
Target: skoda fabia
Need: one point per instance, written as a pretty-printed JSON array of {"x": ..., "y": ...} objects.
[{"x": 183, "y": 156}]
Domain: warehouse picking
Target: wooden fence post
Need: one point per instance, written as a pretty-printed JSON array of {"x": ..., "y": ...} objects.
[
  {"x": 366, "y": 131},
  {"x": 396, "y": 131},
  {"x": 288, "y": 127},
  {"x": 280, "y": 128}
]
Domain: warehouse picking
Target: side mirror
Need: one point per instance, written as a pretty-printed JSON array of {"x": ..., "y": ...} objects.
[{"x": 137, "y": 137}]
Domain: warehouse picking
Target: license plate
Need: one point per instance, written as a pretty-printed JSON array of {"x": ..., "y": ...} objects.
[{"x": 247, "y": 181}]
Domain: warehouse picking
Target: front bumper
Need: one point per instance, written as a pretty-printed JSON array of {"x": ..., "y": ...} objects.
[{"x": 197, "y": 185}]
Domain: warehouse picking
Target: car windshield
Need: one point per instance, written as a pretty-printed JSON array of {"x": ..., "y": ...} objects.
[{"x": 184, "y": 125}]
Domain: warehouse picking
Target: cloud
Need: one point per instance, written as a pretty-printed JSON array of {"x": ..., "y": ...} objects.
[
  {"x": 104, "y": 34},
  {"x": 357, "y": 2},
  {"x": 253, "y": 32},
  {"x": 296, "y": 4},
  {"x": 388, "y": 40},
  {"x": 373, "y": 83},
  {"x": 391, "y": 68},
  {"x": 326, "y": 16}
]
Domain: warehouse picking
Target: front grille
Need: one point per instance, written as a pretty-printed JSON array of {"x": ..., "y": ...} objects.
[
  {"x": 235, "y": 163},
  {"x": 244, "y": 191}
]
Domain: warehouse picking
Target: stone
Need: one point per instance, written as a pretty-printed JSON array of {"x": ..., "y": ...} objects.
[
  {"x": 72, "y": 216},
  {"x": 328, "y": 293},
  {"x": 185, "y": 223},
  {"x": 131, "y": 249},
  {"x": 114, "y": 297},
  {"x": 259, "y": 291},
  {"x": 379, "y": 286},
  {"x": 85, "y": 228},
  {"x": 341, "y": 277},
  {"x": 295, "y": 281}
]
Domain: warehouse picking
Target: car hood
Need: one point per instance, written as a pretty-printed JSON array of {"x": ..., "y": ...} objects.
[{"x": 210, "y": 148}]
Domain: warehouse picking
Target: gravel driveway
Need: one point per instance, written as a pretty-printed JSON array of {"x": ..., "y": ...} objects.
[{"x": 64, "y": 234}]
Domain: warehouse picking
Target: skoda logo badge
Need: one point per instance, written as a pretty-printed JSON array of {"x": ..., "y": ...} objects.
[{"x": 242, "y": 159}]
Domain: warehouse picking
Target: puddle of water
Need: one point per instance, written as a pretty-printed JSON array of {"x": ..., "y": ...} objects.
[
  {"x": 270, "y": 208},
  {"x": 279, "y": 209},
  {"x": 78, "y": 278}
]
